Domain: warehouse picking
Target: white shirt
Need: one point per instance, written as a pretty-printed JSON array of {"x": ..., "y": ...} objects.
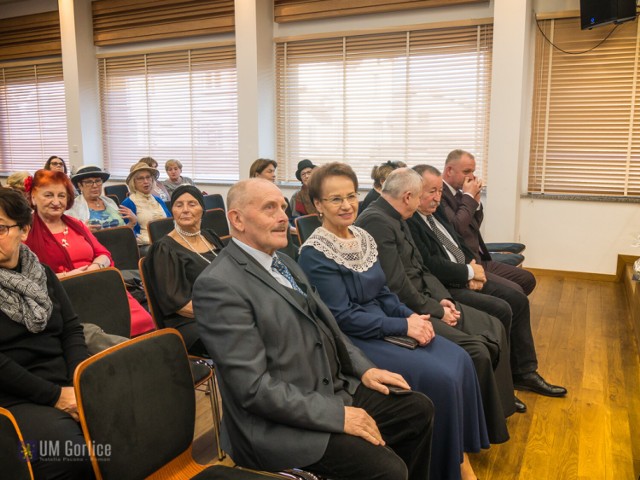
[
  {"x": 264, "y": 259},
  {"x": 440, "y": 227}
]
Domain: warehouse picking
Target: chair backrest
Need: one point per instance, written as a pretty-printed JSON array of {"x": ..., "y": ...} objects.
[
  {"x": 138, "y": 399},
  {"x": 114, "y": 198},
  {"x": 14, "y": 453},
  {"x": 306, "y": 225},
  {"x": 214, "y": 201},
  {"x": 216, "y": 220},
  {"x": 150, "y": 292},
  {"x": 121, "y": 242},
  {"x": 100, "y": 297},
  {"x": 159, "y": 228},
  {"x": 121, "y": 191}
]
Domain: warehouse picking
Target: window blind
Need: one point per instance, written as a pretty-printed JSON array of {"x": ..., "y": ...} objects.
[
  {"x": 585, "y": 123},
  {"x": 172, "y": 105},
  {"x": 411, "y": 96},
  {"x": 33, "y": 124}
]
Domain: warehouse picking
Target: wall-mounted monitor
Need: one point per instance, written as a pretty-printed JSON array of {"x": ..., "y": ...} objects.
[{"x": 594, "y": 13}]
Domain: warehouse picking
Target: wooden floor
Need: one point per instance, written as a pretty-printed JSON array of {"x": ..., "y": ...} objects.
[{"x": 583, "y": 340}]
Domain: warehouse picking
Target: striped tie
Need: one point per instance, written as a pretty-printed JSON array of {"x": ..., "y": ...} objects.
[{"x": 444, "y": 240}]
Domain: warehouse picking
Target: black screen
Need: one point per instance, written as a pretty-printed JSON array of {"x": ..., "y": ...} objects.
[{"x": 594, "y": 13}]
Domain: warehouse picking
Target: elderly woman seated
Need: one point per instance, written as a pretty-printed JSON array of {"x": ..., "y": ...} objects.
[
  {"x": 175, "y": 261},
  {"x": 41, "y": 344},
  {"x": 158, "y": 189},
  {"x": 142, "y": 202},
  {"x": 66, "y": 244},
  {"x": 92, "y": 207},
  {"x": 174, "y": 171}
]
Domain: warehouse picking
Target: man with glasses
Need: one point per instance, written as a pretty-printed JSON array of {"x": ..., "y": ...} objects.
[{"x": 93, "y": 207}]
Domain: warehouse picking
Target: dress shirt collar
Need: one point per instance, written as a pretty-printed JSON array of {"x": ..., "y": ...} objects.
[
  {"x": 264, "y": 259},
  {"x": 451, "y": 189}
]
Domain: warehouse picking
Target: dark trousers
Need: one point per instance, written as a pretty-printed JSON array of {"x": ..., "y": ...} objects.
[
  {"x": 511, "y": 307},
  {"x": 508, "y": 275},
  {"x": 46, "y": 429},
  {"x": 406, "y": 424}
]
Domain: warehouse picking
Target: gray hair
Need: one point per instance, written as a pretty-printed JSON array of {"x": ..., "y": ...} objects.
[
  {"x": 427, "y": 168},
  {"x": 400, "y": 181},
  {"x": 455, "y": 155}
]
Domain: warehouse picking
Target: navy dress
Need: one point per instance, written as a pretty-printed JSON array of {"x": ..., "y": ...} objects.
[{"x": 366, "y": 310}]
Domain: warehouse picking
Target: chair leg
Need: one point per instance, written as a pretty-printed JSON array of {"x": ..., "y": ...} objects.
[{"x": 215, "y": 412}]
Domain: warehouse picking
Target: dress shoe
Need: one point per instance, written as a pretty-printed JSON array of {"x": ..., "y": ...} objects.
[
  {"x": 535, "y": 383},
  {"x": 520, "y": 406}
]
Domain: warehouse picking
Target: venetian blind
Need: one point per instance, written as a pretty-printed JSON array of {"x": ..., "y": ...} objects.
[
  {"x": 172, "y": 105},
  {"x": 411, "y": 96},
  {"x": 33, "y": 124},
  {"x": 586, "y": 121}
]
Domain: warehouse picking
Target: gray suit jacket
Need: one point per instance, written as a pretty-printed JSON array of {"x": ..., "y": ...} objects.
[
  {"x": 400, "y": 259},
  {"x": 275, "y": 378}
]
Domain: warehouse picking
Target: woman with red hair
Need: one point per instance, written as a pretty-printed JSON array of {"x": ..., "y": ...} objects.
[{"x": 65, "y": 244}]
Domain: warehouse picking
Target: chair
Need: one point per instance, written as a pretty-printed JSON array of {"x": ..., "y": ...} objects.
[
  {"x": 216, "y": 220},
  {"x": 159, "y": 228},
  {"x": 100, "y": 297},
  {"x": 306, "y": 225},
  {"x": 214, "y": 201},
  {"x": 121, "y": 191},
  {"x": 114, "y": 198},
  {"x": 201, "y": 375},
  {"x": 121, "y": 243},
  {"x": 138, "y": 399},
  {"x": 14, "y": 452},
  {"x": 505, "y": 247}
]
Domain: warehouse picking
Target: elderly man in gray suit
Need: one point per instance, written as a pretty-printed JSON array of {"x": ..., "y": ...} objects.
[{"x": 296, "y": 392}]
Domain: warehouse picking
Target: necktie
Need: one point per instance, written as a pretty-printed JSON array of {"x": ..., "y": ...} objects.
[
  {"x": 444, "y": 240},
  {"x": 281, "y": 268}
]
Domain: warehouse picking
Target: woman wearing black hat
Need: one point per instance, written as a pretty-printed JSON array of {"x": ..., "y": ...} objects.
[
  {"x": 92, "y": 207},
  {"x": 175, "y": 261},
  {"x": 302, "y": 204}
]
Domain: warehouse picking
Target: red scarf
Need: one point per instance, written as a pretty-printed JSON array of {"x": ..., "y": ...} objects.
[{"x": 42, "y": 242}]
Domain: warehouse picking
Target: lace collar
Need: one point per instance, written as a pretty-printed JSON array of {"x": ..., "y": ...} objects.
[{"x": 358, "y": 254}]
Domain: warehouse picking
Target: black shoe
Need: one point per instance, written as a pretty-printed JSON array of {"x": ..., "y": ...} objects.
[
  {"x": 535, "y": 383},
  {"x": 520, "y": 406}
]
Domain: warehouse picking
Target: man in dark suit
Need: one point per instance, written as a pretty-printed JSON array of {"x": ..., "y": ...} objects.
[
  {"x": 296, "y": 391},
  {"x": 480, "y": 334},
  {"x": 444, "y": 253},
  {"x": 463, "y": 209}
]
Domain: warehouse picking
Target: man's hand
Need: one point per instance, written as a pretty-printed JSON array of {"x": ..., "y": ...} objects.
[
  {"x": 358, "y": 422},
  {"x": 377, "y": 379},
  {"x": 420, "y": 328},
  {"x": 475, "y": 285},
  {"x": 67, "y": 402},
  {"x": 451, "y": 314},
  {"x": 472, "y": 186},
  {"x": 478, "y": 272}
]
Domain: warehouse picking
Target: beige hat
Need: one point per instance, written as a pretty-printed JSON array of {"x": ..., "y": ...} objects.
[{"x": 142, "y": 166}]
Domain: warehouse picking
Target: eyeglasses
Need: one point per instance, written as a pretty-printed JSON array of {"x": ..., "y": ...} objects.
[
  {"x": 56, "y": 164},
  {"x": 97, "y": 182},
  {"x": 4, "y": 229},
  {"x": 142, "y": 179},
  {"x": 352, "y": 199}
]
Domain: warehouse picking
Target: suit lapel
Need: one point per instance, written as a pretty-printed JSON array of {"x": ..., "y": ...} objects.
[{"x": 256, "y": 270}]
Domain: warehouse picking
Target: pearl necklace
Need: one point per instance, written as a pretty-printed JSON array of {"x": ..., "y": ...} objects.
[{"x": 184, "y": 234}]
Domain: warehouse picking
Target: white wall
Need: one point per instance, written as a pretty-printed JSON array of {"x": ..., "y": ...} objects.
[{"x": 560, "y": 235}]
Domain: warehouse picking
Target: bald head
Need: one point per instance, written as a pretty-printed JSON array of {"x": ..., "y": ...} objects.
[{"x": 256, "y": 213}]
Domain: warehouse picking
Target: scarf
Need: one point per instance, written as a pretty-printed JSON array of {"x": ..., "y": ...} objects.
[
  {"x": 304, "y": 205},
  {"x": 23, "y": 295}
]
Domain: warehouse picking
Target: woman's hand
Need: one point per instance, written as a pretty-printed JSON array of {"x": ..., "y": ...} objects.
[
  {"x": 420, "y": 328},
  {"x": 128, "y": 215},
  {"x": 67, "y": 402}
]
